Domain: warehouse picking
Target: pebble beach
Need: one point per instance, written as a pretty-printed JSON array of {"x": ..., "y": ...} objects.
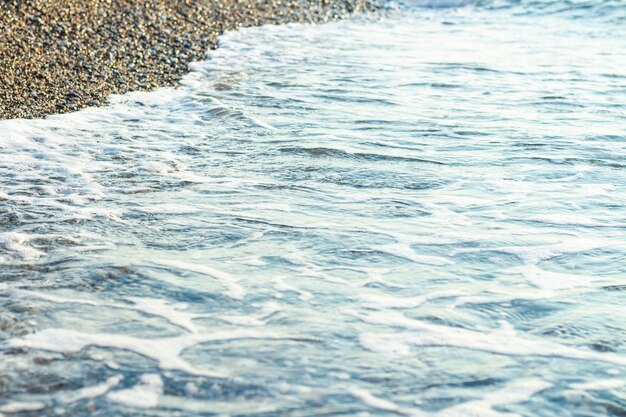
[{"x": 61, "y": 56}]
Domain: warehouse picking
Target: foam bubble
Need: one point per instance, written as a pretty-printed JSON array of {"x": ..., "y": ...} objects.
[{"x": 143, "y": 395}]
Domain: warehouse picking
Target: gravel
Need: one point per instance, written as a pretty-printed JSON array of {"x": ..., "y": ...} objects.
[{"x": 63, "y": 55}]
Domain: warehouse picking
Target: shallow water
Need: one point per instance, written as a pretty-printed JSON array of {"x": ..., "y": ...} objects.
[{"x": 419, "y": 215}]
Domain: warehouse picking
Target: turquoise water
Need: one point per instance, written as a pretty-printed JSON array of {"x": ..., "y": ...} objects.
[{"x": 421, "y": 214}]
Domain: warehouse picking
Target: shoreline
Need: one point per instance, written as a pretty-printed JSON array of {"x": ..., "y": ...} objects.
[{"x": 62, "y": 57}]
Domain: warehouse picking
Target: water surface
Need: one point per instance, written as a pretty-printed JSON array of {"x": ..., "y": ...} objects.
[{"x": 417, "y": 215}]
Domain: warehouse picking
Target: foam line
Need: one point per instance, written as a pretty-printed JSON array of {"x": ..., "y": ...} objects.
[
  {"x": 402, "y": 250},
  {"x": 516, "y": 392},
  {"x": 234, "y": 289},
  {"x": 501, "y": 342},
  {"x": 91, "y": 391},
  {"x": 373, "y": 401},
  {"x": 382, "y": 301},
  {"x": 143, "y": 395},
  {"x": 166, "y": 351},
  {"x": 21, "y": 406},
  {"x": 152, "y": 306}
]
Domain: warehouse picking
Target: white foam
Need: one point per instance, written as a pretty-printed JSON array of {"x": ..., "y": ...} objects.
[
  {"x": 166, "y": 351},
  {"x": 516, "y": 392},
  {"x": 20, "y": 406},
  {"x": 512, "y": 393},
  {"x": 502, "y": 342},
  {"x": 172, "y": 312},
  {"x": 234, "y": 290},
  {"x": 170, "y": 209},
  {"x": 91, "y": 391},
  {"x": 402, "y": 250},
  {"x": 551, "y": 280},
  {"x": 373, "y": 401},
  {"x": 16, "y": 243},
  {"x": 566, "y": 244},
  {"x": 192, "y": 406},
  {"x": 382, "y": 301},
  {"x": 162, "y": 167},
  {"x": 241, "y": 320},
  {"x": 143, "y": 395},
  {"x": 599, "y": 385},
  {"x": 281, "y": 285},
  {"x": 255, "y": 261},
  {"x": 507, "y": 296},
  {"x": 568, "y": 220},
  {"x": 262, "y": 124}
]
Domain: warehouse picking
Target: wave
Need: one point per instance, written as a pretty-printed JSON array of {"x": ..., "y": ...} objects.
[{"x": 579, "y": 9}]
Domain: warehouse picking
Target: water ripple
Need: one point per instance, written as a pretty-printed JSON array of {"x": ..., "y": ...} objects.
[{"x": 416, "y": 215}]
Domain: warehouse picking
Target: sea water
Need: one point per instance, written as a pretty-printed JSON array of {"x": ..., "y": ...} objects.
[{"x": 416, "y": 213}]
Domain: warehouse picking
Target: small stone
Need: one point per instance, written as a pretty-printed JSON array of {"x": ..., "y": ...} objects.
[{"x": 72, "y": 56}]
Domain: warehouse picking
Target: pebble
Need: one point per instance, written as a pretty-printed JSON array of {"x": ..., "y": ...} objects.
[{"x": 59, "y": 56}]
